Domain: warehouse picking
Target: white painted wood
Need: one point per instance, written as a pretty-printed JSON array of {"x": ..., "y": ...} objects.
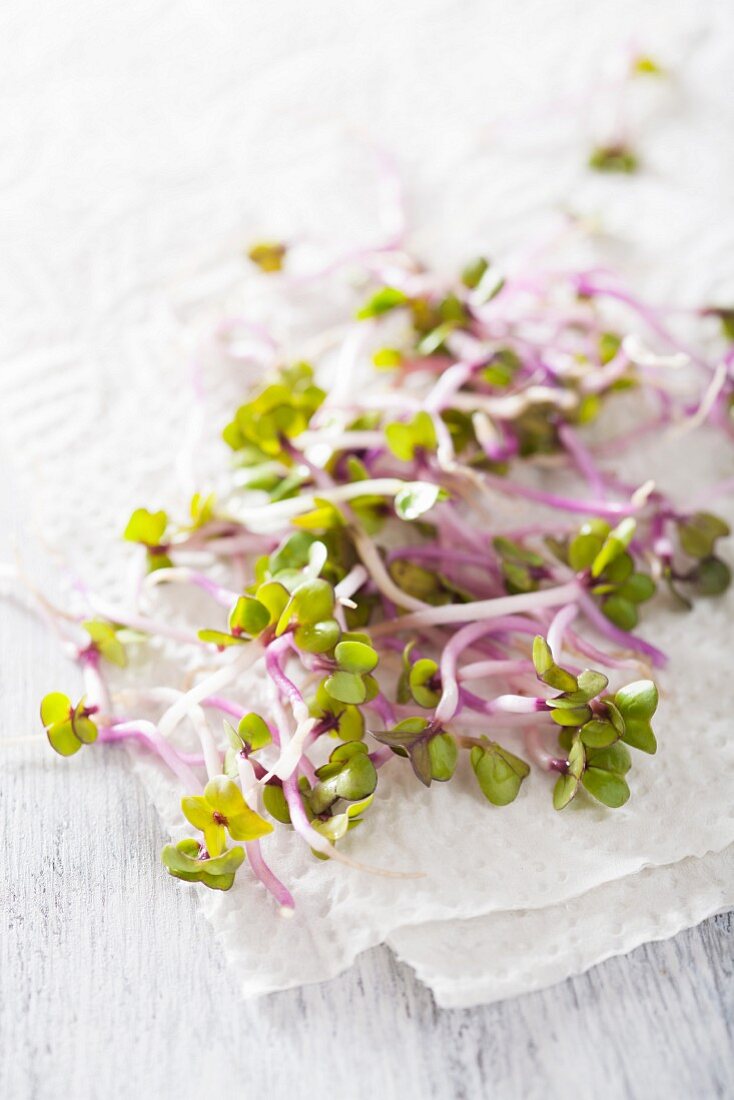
[{"x": 112, "y": 986}]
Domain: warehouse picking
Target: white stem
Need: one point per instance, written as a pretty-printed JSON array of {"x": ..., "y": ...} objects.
[
  {"x": 209, "y": 686},
  {"x": 479, "y": 670},
  {"x": 143, "y": 624},
  {"x": 368, "y": 553},
  {"x": 350, "y": 584},
  {"x": 561, "y": 620},
  {"x": 248, "y": 783},
  {"x": 481, "y": 609},
  {"x": 707, "y": 402},
  {"x": 340, "y": 440},
  {"x": 283, "y": 510},
  {"x": 292, "y": 750},
  {"x": 212, "y": 756}
]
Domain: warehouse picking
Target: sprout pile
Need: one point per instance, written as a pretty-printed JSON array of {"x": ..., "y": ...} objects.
[{"x": 363, "y": 566}]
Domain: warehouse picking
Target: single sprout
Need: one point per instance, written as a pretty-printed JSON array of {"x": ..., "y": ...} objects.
[
  {"x": 105, "y": 641},
  {"x": 149, "y": 529},
  {"x": 221, "y": 810},
  {"x": 643, "y": 65},
  {"x": 269, "y": 256},
  {"x": 190, "y": 862},
  {"x": 613, "y": 158},
  {"x": 68, "y": 727},
  {"x": 499, "y": 773}
]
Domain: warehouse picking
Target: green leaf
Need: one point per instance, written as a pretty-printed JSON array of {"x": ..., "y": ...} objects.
[
  {"x": 639, "y": 734},
  {"x": 404, "y": 438},
  {"x": 223, "y": 796},
  {"x": 317, "y": 637},
  {"x": 513, "y": 551},
  {"x": 382, "y": 301},
  {"x": 269, "y": 256},
  {"x": 564, "y": 791},
  {"x": 609, "y": 345},
  {"x": 499, "y": 773},
  {"x": 637, "y": 701},
  {"x": 201, "y": 509},
  {"x": 583, "y": 550},
  {"x": 606, "y": 787},
  {"x": 399, "y": 439},
  {"x": 599, "y": 733},
  {"x": 415, "y": 499},
  {"x": 615, "y": 758},
  {"x": 542, "y": 656},
  {"x": 274, "y": 597},
  {"x": 346, "y": 687},
  {"x": 567, "y": 785},
  {"x": 615, "y": 714},
  {"x": 106, "y": 642},
  {"x": 591, "y": 683},
  {"x": 548, "y": 671},
  {"x": 63, "y": 739},
  {"x": 501, "y": 368},
  {"x": 615, "y": 544},
  {"x": 387, "y": 358},
  {"x": 699, "y": 532},
  {"x": 357, "y": 657},
  {"x": 576, "y": 758},
  {"x": 55, "y": 707},
  {"x": 219, "y": 638},
  {"x": 443, "y": 754},
  {"x": 647, "y": 66},
  {"x": 355, "y": 779},
  {"x": 248, "y": 616},
  {"x": 146, "y": 527},
  {"x": 713, "y": 577},
  {"x": 293, "y": 552},
  {"x": 518, "y": 578},
  {"x": 559, "y": 679},
  {"x": 248, "y": 825},
  {"x": 83, "y": 727},
  {"x": 637, "y": 588},
  {"x": 418, "y": 582},
  {"x": 613, "y": 158},
  {"x": 571, "y": 716},
  {"x": 312, "y": 602},
  {"x": 253, "y": 732},
  {"x": 217, "y": 882},
  {"x": 420, "y": 678},
  {"x": 404, "y": 733},
  {"x": 435, "y": 339},
  {"x": 420, "y": 759},
  {"x": 197, "y": 810},
  {"x": 619, "y": 570},
  {"x": 218, "y": 873},
  {"x": 621, "y": 612},
  {"x": 472, "y": 274},
  {"x": 351, "y": 724},
  {"x": 275, "y": 803}
]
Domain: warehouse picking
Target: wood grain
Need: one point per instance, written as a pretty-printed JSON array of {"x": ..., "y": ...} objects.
[{"x": 111, "y": 985}]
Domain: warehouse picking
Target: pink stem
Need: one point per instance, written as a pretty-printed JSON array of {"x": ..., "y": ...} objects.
[
  {"x": 147, "y": 734},
  {"x": 267, "y": 877}
]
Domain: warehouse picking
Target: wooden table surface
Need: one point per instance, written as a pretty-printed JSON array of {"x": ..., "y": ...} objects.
[{"x": 111, "y": 984}]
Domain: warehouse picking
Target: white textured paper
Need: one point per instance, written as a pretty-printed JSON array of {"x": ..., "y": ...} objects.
[
  {"x": 486, "y": 959},
  {"x": 146, "y": 145}
]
